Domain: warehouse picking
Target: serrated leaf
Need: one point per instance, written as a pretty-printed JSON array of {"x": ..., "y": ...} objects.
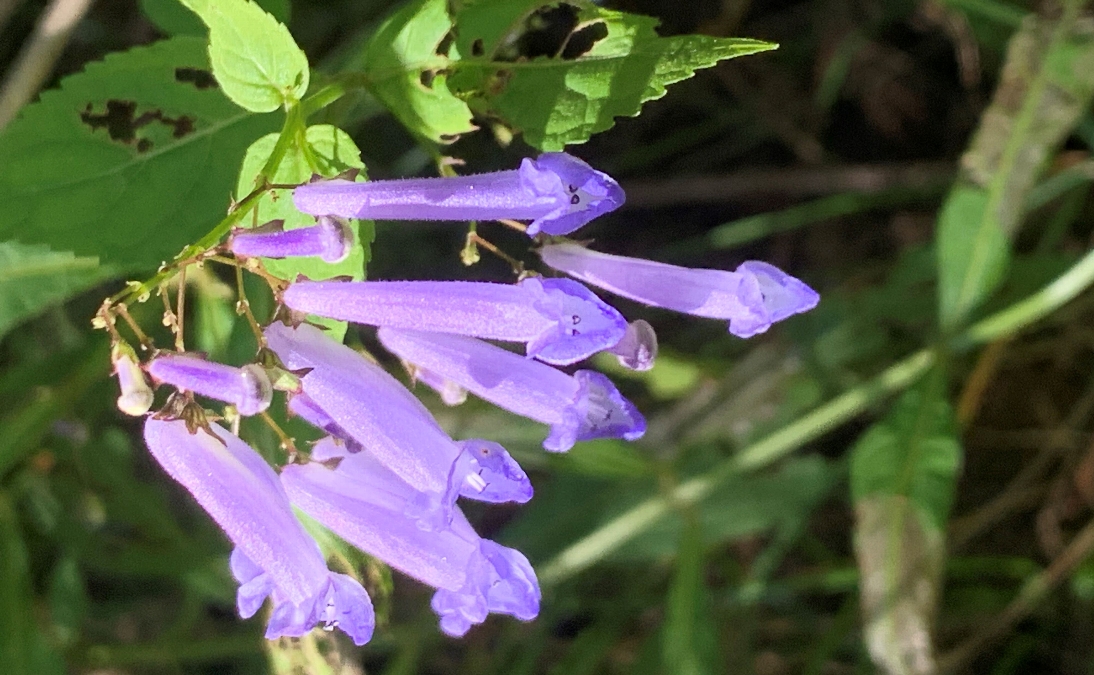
[
  {"x": 129, "y": 161},
  {"x": 254, "y": 57},
  {"x": 556, "y": 100},
  {"x": 333, "y": 152},
  {"x": 33, "y": 278},
  {"x": 903, "y": 472},
  {"x": 403, "y": 70},
  {"x": 1047, "y": 83}
]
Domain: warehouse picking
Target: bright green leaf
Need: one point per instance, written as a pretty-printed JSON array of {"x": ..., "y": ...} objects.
[
  {"x": 403, "y": 70},
  {"x": 559, "y": 100},
  {"x": 129, "y": 161},
  {"x": 1047, "y": 83},
  {"x": 254, "y": 57},
  {"x": 173, "y": 18},
  {"x": 32, "y": 278},
  {"x": 329, "y": 152}
]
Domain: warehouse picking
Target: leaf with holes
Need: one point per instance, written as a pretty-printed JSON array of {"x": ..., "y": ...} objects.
[
  {"x": 405, "y": 71},
  {"x": 254, "y": 57},
  {"x": 903, "y": 472},
  {"x": 33, "y": 278},
  {"x": 608, "y": 66},
  {"x": 129, "y": 161}
]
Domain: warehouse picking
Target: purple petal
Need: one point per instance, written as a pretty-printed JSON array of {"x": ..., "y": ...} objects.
[
  {"x": 580, "y": 407},
  {"x": 247, "y": 388},
  {"x": 586, "y": 193},
  {"x": 561, "y": 320},
  {"x": 559, "y": 192},
  {"x": 751, "y": 298},
  {"x": 475, "y": 576},
  {"x": 329, "y": 239},
  {"x": 273, "y": 557},
  {"x": 358, "y": 401}
]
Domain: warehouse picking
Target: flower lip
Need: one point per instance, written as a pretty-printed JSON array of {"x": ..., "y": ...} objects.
[
  {"x": 491, "y": 474},
  {"x": 583, "y": 193},
  {"x": 598, "y": 411}
]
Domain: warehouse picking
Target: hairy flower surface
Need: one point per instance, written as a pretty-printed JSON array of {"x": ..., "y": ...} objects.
[
  {"x": 274, "y": 557},
  {"x": 752, "y": 298},
  {"x": 580, "y": 407},
  {"x": 557, "y": 191},
  {"x": 349, "y": 396},
  {"x": 329, "y": 239},
  {"x": 561, "y": 321},
  {"x": 365, "y": 504},
  {"x": 247, "y": 388}
]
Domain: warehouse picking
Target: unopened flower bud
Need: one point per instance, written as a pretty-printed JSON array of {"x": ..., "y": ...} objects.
[{"x": 136, "y": 396}]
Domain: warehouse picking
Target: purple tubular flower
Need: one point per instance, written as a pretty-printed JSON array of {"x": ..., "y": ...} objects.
[
  {"x": 329, "y": 239},
  {"x": 247, "y": 388},
  {"x": 751, "y": 298},
  {"x": 561, "y": 321},
  {"x": 356, "y": 400},
  {"x": 578, "y": 408},
  {"x": 273, "y": 556},
  {"x": 557, "y": 191},
  {"x": 366, "y": 505}
]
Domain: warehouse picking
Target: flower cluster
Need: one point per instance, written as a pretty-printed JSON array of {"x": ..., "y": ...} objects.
[{"x": 385, "y": 476}]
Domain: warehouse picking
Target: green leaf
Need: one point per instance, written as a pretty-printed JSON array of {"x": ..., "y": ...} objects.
[
  {"x": 559, "y": 100},
  {"x": 329, "y": 151},
  {"x": 68, "y": 600},
  {"x": 254, "y": 57},
  {"x": 1046, "y": 85},
  {"x": 129, "y": 161},
  {"x": 33, "y": 278},
  {"x": 173, "y": 18},
  {"x": 903, "y": 472},
  {"x": 404, "y": 71}
]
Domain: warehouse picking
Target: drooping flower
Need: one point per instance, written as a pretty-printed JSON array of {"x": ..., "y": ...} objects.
[
  {"x": 247, "y": 388},
  {"x": 273, "y": 557},
  {"x": 329, "y": 239},
  {"x": 752, "y": 298},
  {"x": 366, "y": 505},
  {"x": 557, "y": 191},
  {"x": 580, "y": 407},
  {"x": 136, "y": 396},
  {"x": 561, "y": 321},
  {"x": 354, "y": 399}
]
